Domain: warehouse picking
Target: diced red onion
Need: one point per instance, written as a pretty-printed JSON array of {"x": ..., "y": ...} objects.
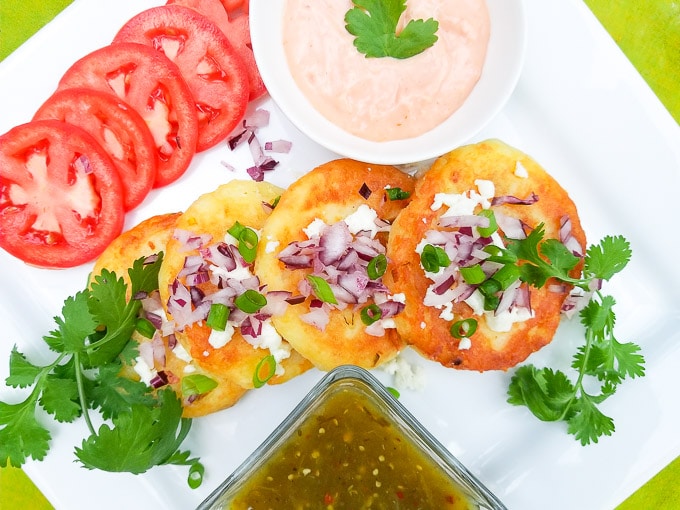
[
  {"x": 365, "y": 191},
  {"x": 509, "y": 199},
  {"x": 567, "y": 238},
  {"x": 280, "y": 146},
  {"x": 228, "y": 166},
  {"x": 259, "y": 118},
  {"x": 317, "y": 317},
  {"x": 159, "y": 380},
  {"x": 511, "y": 226},
  {"x": 238, "y": 138},
  {"x": 468, "y": 220}
]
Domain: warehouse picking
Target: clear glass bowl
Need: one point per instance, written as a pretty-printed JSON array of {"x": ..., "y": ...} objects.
[{"x": 354, "y": 389}]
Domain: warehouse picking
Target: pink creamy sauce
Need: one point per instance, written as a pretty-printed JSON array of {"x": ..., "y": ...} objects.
[{"x": 382, "y": 99}]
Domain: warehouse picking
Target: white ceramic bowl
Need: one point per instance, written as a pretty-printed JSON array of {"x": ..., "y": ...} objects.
[{"x": 501, "y": 71}]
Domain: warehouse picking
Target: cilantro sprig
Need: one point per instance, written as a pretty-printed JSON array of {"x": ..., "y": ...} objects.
[
  {"x": 92, "y": 340},
  {"x": 374, "y": 25},
  {"x": 602, "y": 363}
]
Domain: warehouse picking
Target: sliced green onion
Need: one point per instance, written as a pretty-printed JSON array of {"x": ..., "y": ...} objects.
[
  {"x": 197, "y": 384},
  {"x": 145, "y": 328},
  {"x": 473, "y": 275},
  {"x": 377, "y": 267},
  {"x": 196, "y": 472},
  {"x": 433, "y": 258},
  {"x": 395, "y": 393},
  {"x": 247, "y": 244},
  {"x": 493, "y": 226},
  {"x": 491, "y": 302},
  {"x": 247, "y": 241},
  {"x": 507, "y": 275},
  {"x": 489, "y": 287},
  {"x": 236, "y": 229},
  {"x": 250, "y": 301},
  {"x": 397, "y": 194},
  {"x": 217, "y": 316},
  {"x": 463, "y": 328},
  {"x": 370, "y": 314},
  {"x": 321, "y": 289},
  {"x": 268, "y": 363}
]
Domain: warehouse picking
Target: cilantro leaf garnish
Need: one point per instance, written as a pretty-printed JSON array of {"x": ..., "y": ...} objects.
[
  {"x": 374, "y": 25},
  {"x": 142, "y": 437},
  {"x": 602, "y": 363},
  {"x": 92, "y": 340}
]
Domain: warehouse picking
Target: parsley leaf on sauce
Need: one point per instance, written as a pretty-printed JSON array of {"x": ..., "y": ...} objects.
[{"x": 374, "y": 25}]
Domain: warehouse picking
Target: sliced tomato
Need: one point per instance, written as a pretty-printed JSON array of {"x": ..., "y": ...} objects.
[
  {"x": 211, "y": 67},
  {"x": 60, "y": 195},
  {"x": 234, "y": 5},
  {"x": 153, "y": 86},
  {"x": 118, "y": 128},
  {"x": 232, "y": 18}
]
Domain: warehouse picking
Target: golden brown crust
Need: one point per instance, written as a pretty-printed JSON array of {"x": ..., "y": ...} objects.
[
  {"x": 144, "y": 239},
  {"x": 455, "y": 173},
  {"x": 213, "y": 214},
  {"x": 329, "y": 192}
]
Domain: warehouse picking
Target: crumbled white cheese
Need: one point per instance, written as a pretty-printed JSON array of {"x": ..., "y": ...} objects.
[
  {"x": 476, "y": 302},
  {"x": 179, "y": 351},
  {"x": 423, "y": 325},
  {"x": 503, "y": 322},
  {"x": 271, "y": 246},
  {"x": 464, "y": 204},
  {"x": 399, "y": 297},
  {"x": 238, "y": 273},
  {"x": 464, "y": 344},
  {"x": 314, "y": 228},
  {"x": 447, "y": 312},
  {"x": 219, "y": 339},
  {"x": 406, "y": 375},
  {"x": 487, "y": 190},
  {"x": 270, "y": 339},
  {"x": 145, "y": 372},
  {"x": 388, "y": 323},
  {"x": 189, "y": 369},
  {"x": 459, "y": 204},
  {"x": 363, "y": 220},
  {"x": 520, "y": 170}
]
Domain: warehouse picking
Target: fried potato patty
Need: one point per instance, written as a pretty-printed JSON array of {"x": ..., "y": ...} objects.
[
  {"x": 330, "y": 194},
  {"x": 146, "y": 239},
  {"x": 517, "y": 181},
  {"x": 208, "y": 219}
]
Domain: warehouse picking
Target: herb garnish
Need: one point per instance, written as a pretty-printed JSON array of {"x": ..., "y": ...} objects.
[
  {"x": 550, "y": 394},
  {"x": 93, "y": 341},
  {"x": 374, "y": 25}
]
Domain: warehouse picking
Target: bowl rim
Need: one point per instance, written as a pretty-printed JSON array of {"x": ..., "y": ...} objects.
[
  {"x": 360, "y": 379},
  {"x": 500, "y": 75}
]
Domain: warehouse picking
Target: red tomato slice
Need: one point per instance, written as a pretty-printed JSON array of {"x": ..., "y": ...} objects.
[
  {"x": 153, "y": 86},
  {"x": 211, "y": 67},
  {"x": 232, "y": 18},
  {"x": 234, "y": 5},
  {"x": 60, "y": 195},
  {"x": 118, "y": 128}
]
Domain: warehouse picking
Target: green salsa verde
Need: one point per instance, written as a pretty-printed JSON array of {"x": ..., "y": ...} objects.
[{"x": 347, "y": 455}]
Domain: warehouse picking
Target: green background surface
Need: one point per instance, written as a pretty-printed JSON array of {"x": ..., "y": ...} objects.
[{"x": 647, "y": 31}]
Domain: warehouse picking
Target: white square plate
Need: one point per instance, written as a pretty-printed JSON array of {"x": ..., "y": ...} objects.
[{"x": 580, "y": 110}]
